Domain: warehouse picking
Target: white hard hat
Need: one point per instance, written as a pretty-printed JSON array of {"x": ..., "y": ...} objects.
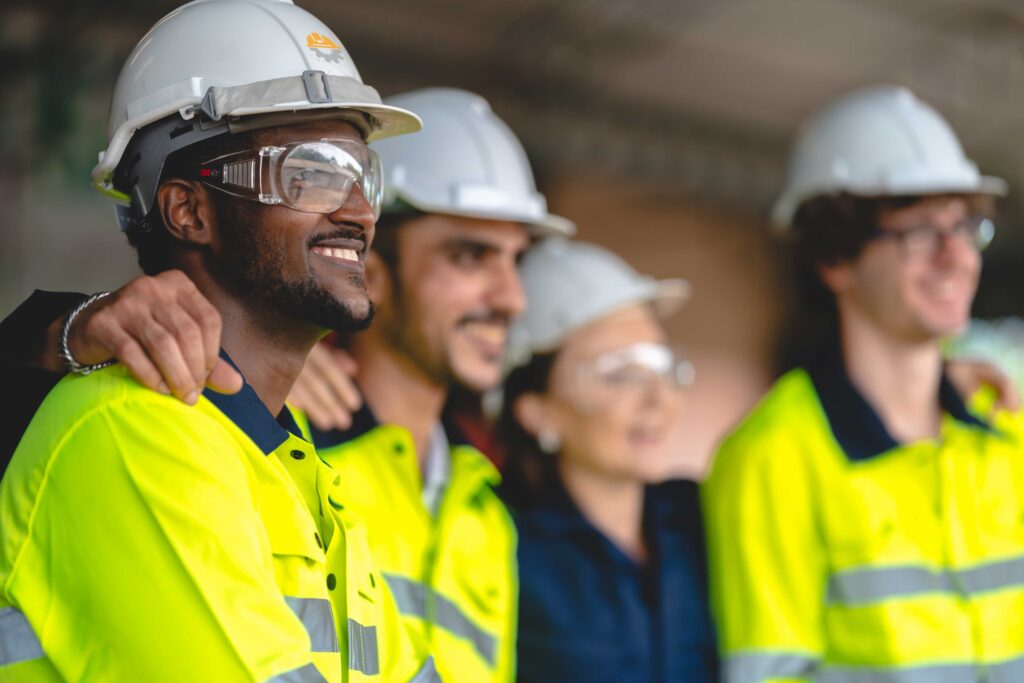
[
  {"x": 569, "y": 284},
  {"x": 467, "y": 162},
  {"x": 878, "y": 141},
  {"x": 213, "y": 62}
]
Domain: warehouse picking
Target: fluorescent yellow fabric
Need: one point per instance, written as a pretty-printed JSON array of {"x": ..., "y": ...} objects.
[
  {"x": 454, "y": 574},
  {"x": 144, "y": 540},
  {"x": 907, "y": 566}
]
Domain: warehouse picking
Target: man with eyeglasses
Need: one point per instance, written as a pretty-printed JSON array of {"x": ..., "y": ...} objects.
[
  {"x": 864, "y": 521},
  {"x": 149, "y": 539}
]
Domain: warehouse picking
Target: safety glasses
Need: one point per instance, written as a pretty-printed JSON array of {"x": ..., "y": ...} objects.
[
  {"x": 636, "y": 369},
  {"x": 926, "y": 240},
  {"x": 316, "y": 177}
]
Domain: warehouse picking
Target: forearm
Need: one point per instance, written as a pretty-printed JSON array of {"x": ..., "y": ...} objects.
[{"x": 29, "y": 336}]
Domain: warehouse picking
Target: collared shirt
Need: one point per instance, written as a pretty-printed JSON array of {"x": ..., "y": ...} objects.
[
  {"x": 144, "y": 539},
  {"x": 437, "y": 468},
  {"x": 839, "y": 554},
  {"x": 854, "y": 423},
  {"x": 452, "y": 569},
  {"x": 590, "y": 613}
]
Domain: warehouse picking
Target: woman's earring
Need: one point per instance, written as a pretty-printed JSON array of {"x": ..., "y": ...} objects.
[{"x": 549, "y": 441}]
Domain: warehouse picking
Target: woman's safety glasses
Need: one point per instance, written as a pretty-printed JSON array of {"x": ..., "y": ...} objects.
[
  {"x": 637, "y": 369},
  {"x": 316, "y": 177}
]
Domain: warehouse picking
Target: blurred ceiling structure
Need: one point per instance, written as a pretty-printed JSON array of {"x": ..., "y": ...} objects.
[{"x": 702, "y": 94}]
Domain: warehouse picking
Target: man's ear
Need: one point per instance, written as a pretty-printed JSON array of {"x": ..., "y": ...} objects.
[
  {"x": 378, "y": 281},
  {"x": 836, "y": 277},
  {"x": 187, "y": 211}
]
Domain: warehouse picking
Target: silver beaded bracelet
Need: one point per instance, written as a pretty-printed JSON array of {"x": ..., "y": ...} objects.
[{"x": 70, "y": 363}]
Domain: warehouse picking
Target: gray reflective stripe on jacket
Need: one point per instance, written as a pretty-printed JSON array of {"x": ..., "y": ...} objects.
[
  {"x": 318, "y": 618},
  {"x": 451, "y": 618},
  {"x": 1011, "y": 671},
  {"x": 760, "y": 667},
  {"x": 412, "y": 599},
  {"x": 875, "y": 584},
  {"x": 362, "y": 648},
  {"x": 18, "y": 641},
  {"x": 410, "y": 596},
  {"x": 305, "y": 674},
  {"x": 427, "y": 673}
]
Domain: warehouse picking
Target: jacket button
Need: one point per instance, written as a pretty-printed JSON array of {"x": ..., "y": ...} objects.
[
  {"x": 319, "y": 543},
  {"x": 399, "y": 448},
  {"x": 298, "y": 455},
  {"x": 331, "y": 582}
]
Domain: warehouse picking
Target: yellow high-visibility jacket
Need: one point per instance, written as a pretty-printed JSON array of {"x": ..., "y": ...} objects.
[
  {"x": 453, "y": 574},
  {"x": 145, "y": 540},
  {"x": 838, "y": 554}
]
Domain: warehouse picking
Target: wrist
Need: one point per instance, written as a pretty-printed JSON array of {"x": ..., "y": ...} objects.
[
  {"x": 46, "y": 355},
  {"x": 71, "y": 362}
]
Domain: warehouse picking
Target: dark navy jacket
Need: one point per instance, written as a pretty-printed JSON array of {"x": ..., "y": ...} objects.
[
  {"x": 19, "y": 332},
  {"x": 588, "y": 613}
]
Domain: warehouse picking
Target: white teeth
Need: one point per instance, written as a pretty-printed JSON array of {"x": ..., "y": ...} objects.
[
  {"x": 489, "y": 332},
  {"x": 342, "y": 254}
]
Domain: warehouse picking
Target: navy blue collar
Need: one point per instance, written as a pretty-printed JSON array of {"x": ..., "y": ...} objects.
[
  {"x": 249, "y": 413},
  {"x": 855, "y": 425},
  {"x": 664, "y": 505},
  {"x": 364, "y": 421}
]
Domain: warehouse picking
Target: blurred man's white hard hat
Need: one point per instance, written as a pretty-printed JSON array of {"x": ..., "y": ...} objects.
[
  {"x": 467, "y": 162},
  {"x": 878, "y": 141}
]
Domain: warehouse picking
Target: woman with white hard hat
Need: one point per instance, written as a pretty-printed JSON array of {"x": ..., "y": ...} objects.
[{"x": 612, "y": 580}]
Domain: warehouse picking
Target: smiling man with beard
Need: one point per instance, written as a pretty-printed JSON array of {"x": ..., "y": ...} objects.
[
  {"x": 461, "y": 207},
  {"x": 864, "y": 521},
  {"x": 149, "y": 540}
]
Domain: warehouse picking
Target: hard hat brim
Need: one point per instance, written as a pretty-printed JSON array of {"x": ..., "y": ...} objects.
[
  {"x": 670, "y": 296},
  {"x": 553, "y": 225},
  {"x": 548, "y": 225},
  {"x": 786, "y": 207},
  {"x": 257, "y": 100}
]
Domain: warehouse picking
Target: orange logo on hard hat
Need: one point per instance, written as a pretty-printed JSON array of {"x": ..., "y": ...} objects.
[{"x": 320, "y": 41}]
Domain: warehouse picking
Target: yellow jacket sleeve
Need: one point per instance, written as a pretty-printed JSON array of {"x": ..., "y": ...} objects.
[
  {"x": 767, "y": 573},
  {"x": 145, "y": 559}
]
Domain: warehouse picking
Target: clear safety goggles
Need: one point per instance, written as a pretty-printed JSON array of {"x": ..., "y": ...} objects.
[
  {"x": 316, "y": 177},
  {"x": 638, "y": 369}
]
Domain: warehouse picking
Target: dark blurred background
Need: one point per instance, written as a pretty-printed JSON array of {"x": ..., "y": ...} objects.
[{"x": 660, "y": 126}]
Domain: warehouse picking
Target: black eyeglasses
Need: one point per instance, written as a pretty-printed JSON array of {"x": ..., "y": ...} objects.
[{"x": 926, "y": 240}]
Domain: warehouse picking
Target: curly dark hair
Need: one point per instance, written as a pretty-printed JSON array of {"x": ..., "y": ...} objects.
[{"x": 830, "y": 230}]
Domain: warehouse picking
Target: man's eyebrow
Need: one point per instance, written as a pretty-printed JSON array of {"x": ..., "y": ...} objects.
[{"x": 472, "y": 243}]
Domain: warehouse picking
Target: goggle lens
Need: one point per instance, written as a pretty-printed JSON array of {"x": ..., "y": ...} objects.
[
  {"x": 318, "y": 176},
  {"x": 315, "y": 177}
]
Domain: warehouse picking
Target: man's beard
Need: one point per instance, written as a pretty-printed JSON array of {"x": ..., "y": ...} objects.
[
  {"x": 404, "y": 331},
  {"x": 404, "y": 328},
  {"x": 255, "y": 266}
]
